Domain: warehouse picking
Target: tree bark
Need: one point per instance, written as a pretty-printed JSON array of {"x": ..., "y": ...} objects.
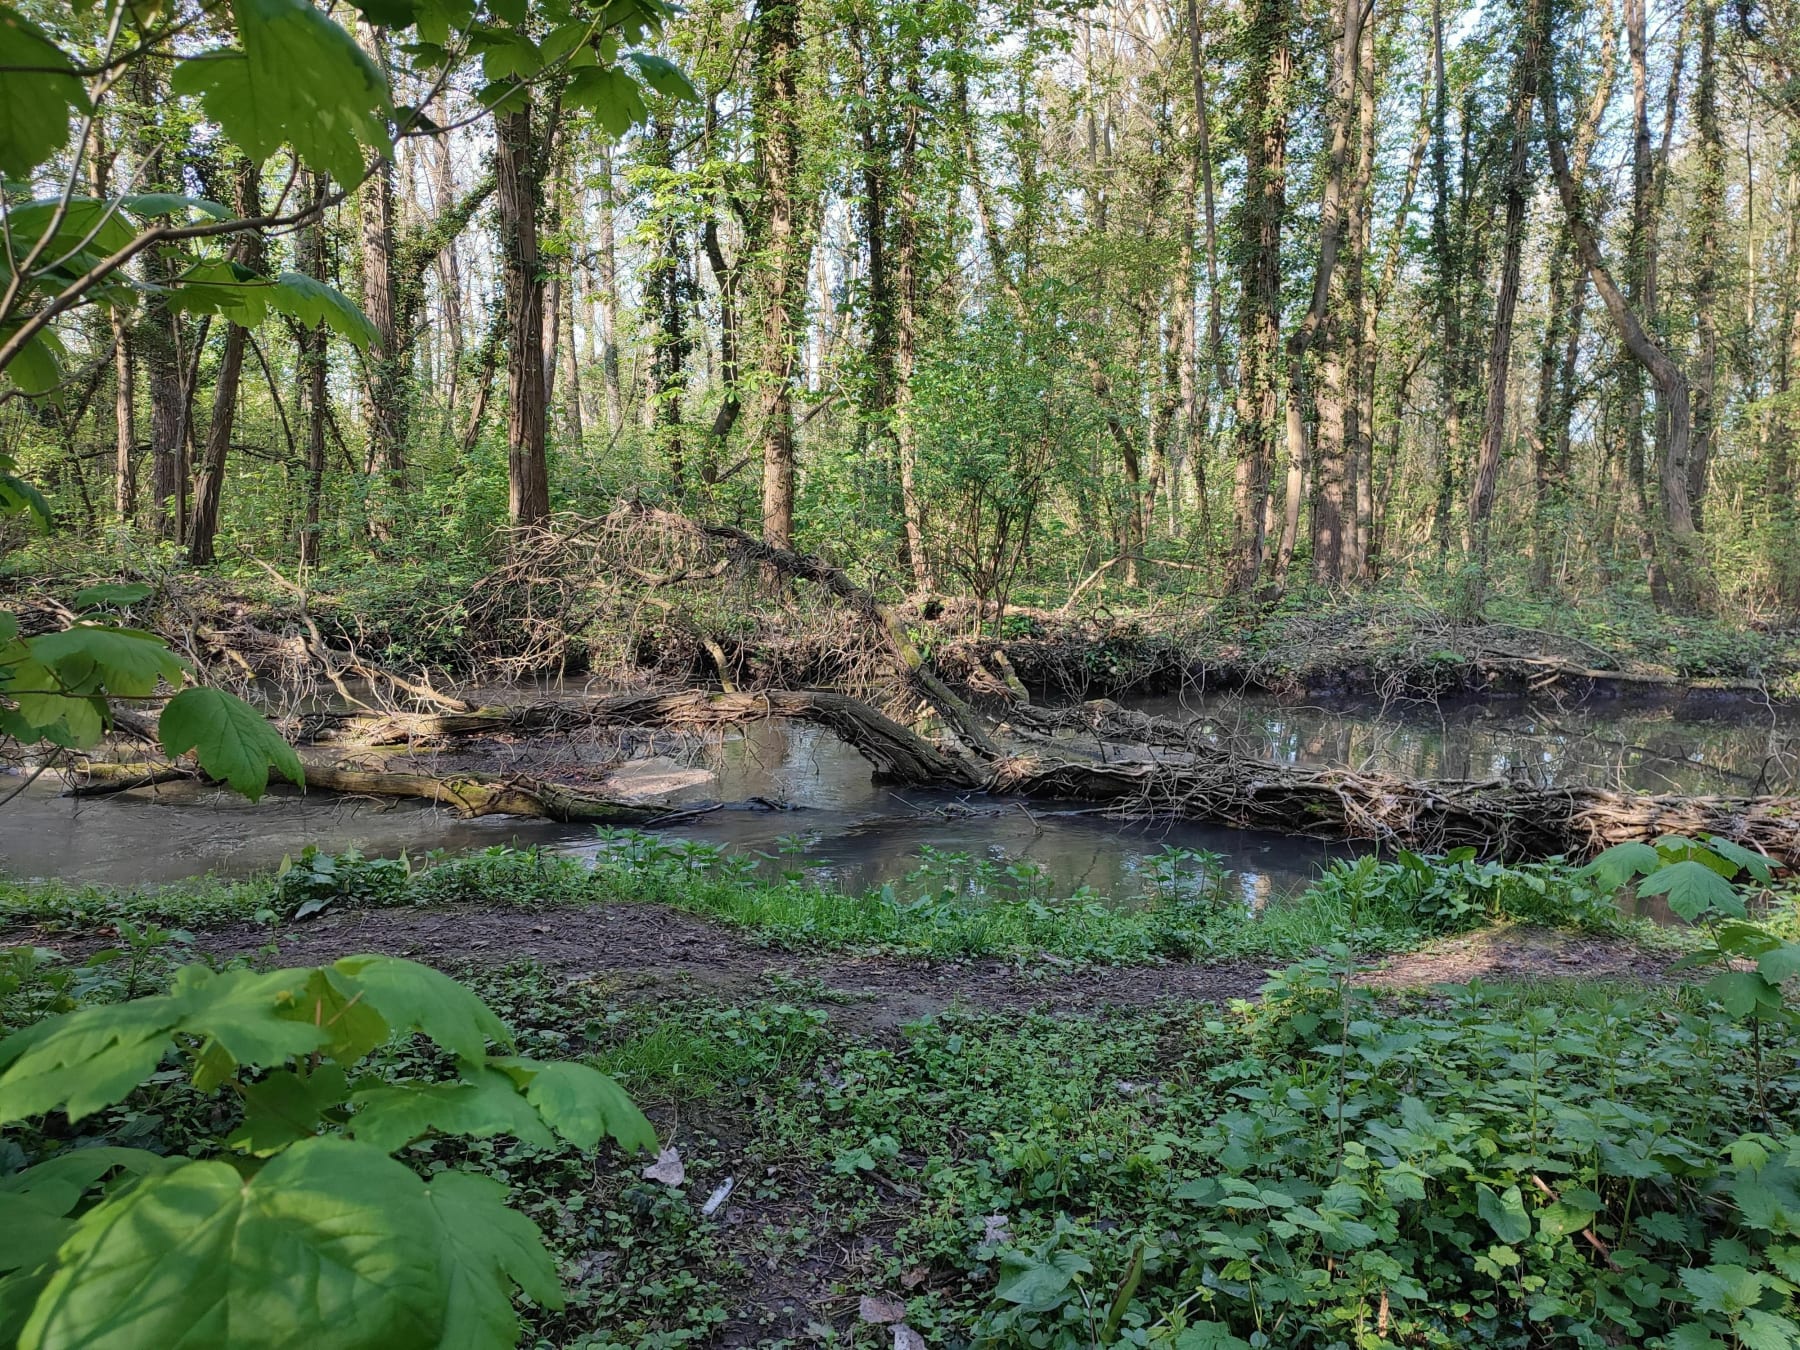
[
  {"x": 1526, "y": 73},
  {"x": 1262, "y": 213},
  {"x": 313, "y": 368},
  {"x": 1710, "y": 204},
  {"x": 209, "y": 484},
  {"x": 518, "y": 175},
  {"x": 782, "y": 243}
]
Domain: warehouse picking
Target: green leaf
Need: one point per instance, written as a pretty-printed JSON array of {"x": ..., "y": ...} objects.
[
  {"x": 664, "y": 76},
  {"x": 127, "y": 661},
  {"x": 83, "y": 226},
  {"x": 582, "y": 1104},
  {"x": 1744, "y": 993},
  {"x": 234, "y": 742},
  {"x": 330, "y": 1239},
  {"x": 118, "y": 593},
  {"x": 412, "y": 997},
  {"x": 392, "y": 1116},
  {"x": 613, "y": 96},
  {"x": 17, "y": 497},
  {"x": 1504, "y": 1212},
  {"x": 37, "y": 96},
  {"x": 297, "y": 79},
  {"x": 37, "y": 368},
  {"x": 84, "y": 1060},
  {"x": 312, "y": 302},
  {"x": 1692, "y": 889},
  {"x": 1753, "y": 862},
  {"x": 173, "y": 204},
  {"x": 1783, "y": 963},
  {"x": 486, "y": 1248},
  {"x": 1038, "y": 1284},
  {"x": 1209, "y": 1336},
  {"x": 1620, "y": 863},
  {"x": 287, "y": 1107}
]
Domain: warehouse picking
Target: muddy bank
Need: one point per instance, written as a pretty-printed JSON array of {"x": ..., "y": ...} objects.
[{"x": 657, "y": 954}]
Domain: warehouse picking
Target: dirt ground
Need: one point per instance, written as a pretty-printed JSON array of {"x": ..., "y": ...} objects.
[{"x": 657, "y": 953}]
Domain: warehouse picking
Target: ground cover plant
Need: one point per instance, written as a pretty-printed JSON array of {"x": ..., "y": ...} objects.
[{"x": 1330, "y": 1164}]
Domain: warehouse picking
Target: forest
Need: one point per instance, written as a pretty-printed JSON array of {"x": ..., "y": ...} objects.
[{"x": 854, "y": 673}]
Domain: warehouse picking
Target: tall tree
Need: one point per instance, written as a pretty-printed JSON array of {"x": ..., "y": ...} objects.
[{"x": 519, "y": 169}]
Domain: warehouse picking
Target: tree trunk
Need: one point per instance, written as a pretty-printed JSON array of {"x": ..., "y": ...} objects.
[
  {"x": 1710, "y": 205},
  {"x": 1319, "y": 331},
  {"x": 782, "y": 238},
  {"x": 1262, "y": 212},
  {"x": 518, "y": 176},
  {"x": 209, "y": 484},
  {"x": 313, "y": 360},
  {"x": 1526, "y": 68},
  {"x": 906, "y": 334},
  {"x": 384, "y": 365},
  {"x": 1670, "y": 381}
]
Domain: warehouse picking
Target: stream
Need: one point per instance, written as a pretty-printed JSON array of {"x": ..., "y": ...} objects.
[{"x": 847, "y": 831}]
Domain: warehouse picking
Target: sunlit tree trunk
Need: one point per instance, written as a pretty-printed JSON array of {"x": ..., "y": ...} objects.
[
  {"x": 1526, "y": 69},
  {"x": 1710, "y": 205},
  {"x": 1262, "y": 215},
  {"x": 518, "y": 174}
]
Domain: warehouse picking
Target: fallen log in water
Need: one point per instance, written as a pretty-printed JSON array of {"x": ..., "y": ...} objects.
[
  {"x": 1496, "y": 817},
  {"x": 898, "y": 754},
  {"x": 468, "y": 794},
  {"x": 1137, "y": 765}
]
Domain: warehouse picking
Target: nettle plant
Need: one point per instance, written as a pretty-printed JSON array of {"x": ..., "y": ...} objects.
[{"x": 308, "y": 1231}]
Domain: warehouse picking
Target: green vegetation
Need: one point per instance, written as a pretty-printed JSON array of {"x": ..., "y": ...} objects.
[
  {"x": 1506, "y": 1166},
  {"x": 952, "y": 905}
]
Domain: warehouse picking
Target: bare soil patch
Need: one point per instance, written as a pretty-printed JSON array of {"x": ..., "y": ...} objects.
[
  {"x": 658, "y": 953},
  {"x": 1517, "y": 952}
]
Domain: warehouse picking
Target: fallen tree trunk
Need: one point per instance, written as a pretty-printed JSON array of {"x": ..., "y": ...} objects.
[
  {"x": 1498, "y": 818},
  {"x": 898, "y": 754},
  {"x": 468, "y": 794}
]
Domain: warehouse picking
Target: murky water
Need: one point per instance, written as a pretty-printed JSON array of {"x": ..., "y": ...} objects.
[
  {"x": 1737, "y": 749},
  {"x": 855, "y": 833}
]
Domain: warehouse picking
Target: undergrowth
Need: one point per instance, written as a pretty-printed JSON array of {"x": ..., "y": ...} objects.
[{"x": 952, "y": 905}]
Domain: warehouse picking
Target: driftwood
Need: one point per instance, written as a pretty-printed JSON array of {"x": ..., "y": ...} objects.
[
  {"x": 1499, "y": 818},
  {"x": 897, "y": 754},
  {"x": 468, "y": 794}
]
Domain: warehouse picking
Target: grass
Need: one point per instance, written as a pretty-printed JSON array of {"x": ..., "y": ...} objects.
[{"x": 952, "y": 906}]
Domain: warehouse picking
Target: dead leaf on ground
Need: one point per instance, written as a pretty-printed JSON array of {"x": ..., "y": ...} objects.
[
  {"x": 905, "y": 1338},
  {"x": 667, "y": 1168},
  {"x": 880, "y": 1310},
  {"x": 995, "y": 1228}
]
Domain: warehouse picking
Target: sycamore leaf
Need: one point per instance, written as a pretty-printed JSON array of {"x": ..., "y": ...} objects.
[
  {"x": 1782, "y": 963},
  {"x": 37, "y": 96},
  {"x": 613, "y": 96},
  {"x": 1744, "y": 993},
  {"x": 1756, "y": 864},
  {"x": 233, "y": 741},
  {"x": 331, "y": 1237},
  {"x": 297, "y": 79},
  {"x": 17, "y": 497},
  {"x": 287, "y": 1107},
  {"x": 664, "y": 76},
  {"x": 1620, "y": 863},
  {"x": 312, "y": 302},
  {"x": 412, "y": 997},
  {"x": 484, "y": 1249},
  {"x": 118, "y": 593},
  {"x": 582, "y": 1104},
  {"x": 173, "y": 204},
  {"x": 485, "y": 1104},
  {"x": 127, "y": 662},
  {"x": 1692, "y": 889},
  {"x": 37, "y": 368}
]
